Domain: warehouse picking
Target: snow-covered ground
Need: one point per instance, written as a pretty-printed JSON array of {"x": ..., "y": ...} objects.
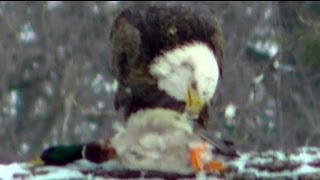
[{"x": 302, "y": 163}]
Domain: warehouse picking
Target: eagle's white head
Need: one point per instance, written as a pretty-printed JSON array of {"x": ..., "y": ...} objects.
[{"x": 188, "y": 73}]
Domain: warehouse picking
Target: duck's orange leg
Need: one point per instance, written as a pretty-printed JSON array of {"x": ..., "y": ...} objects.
[
  {"x": 195, "y": 157},
  {"x": 197, "y": 164},
  {"x": 214, "y": 166}
]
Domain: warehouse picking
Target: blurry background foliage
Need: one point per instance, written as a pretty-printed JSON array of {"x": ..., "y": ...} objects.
[{"x": 56, "y": 86}]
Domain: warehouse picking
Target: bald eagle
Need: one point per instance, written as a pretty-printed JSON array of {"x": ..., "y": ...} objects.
[
  {"x": 169, "y": 55},
  {"x": 167, "y": 59}
]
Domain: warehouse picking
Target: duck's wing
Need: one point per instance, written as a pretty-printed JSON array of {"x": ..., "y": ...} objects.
[{"x": 223, "y": 147}]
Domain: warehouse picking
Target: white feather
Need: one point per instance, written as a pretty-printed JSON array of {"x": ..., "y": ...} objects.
[
  {"x": 177, "y": 68},
  {"x": 155, "y": 139}
]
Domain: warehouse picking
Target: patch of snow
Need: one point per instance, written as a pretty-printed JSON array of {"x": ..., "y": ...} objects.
[
  {"x": 95, "y": 9},
  {"x": 48, "y": 89},
  {"x": 268, "y": 47},
  {"x": 248, "y": 10},
  {"x": 13, "y": 99},
  {"x": 258, "y": 79},
  {"x": 108, "y": 87},
  {"x": 54, "y": 172},
  {"x": 276, "y": 64},
  {"x": 201, "y": 176},
  {"x": 218, "y": 134},
  {"x": 280, "y": 155},
  {"x": 84, "y": 164},
  {"x": 8, "y": 171},
  {"x": 268, "y": 13},
  {"x": 101, "y": 105},
  {"x": 27, "y": 33},
  {"x": 269, "y": 112},
  {"x": 112, "y": 165},
  {"x": 96, "y": 83},
  {"x": 241, "y": 162},
  {"x": 304, "y": 156},
  {"x": 114, "y": 85},
  {"x": 93, "y": 126},
  {"x": 114, "y": 3},
  {"x": 53, "y": 4},
  {"x": 305, "y": 169},
  {"x": 273, "y": 49},
  {"x": 262, "y": 160},
  {"x": 25, "y": 147},
  {"x": 230, "y": 111}
]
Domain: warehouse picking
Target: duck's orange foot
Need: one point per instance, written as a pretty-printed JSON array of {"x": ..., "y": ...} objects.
[
  {"x": 215, "y": 166},
  {"x": 200, "y": 159}
]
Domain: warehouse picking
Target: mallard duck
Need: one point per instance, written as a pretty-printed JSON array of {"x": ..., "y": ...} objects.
[
  {"x": 164, "y": 140},
  {"x": 153, "y": 139}
]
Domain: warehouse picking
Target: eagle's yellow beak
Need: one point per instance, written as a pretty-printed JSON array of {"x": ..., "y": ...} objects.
[{"x": 194, "y": 103}]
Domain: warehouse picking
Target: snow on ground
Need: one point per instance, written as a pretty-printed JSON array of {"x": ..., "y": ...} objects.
[
  {"x": 20, "y": 171},
  {"x": 302, "y": 163}
]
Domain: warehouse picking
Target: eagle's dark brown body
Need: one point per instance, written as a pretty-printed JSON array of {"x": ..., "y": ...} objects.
[{"x": 144, "y": 31}]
